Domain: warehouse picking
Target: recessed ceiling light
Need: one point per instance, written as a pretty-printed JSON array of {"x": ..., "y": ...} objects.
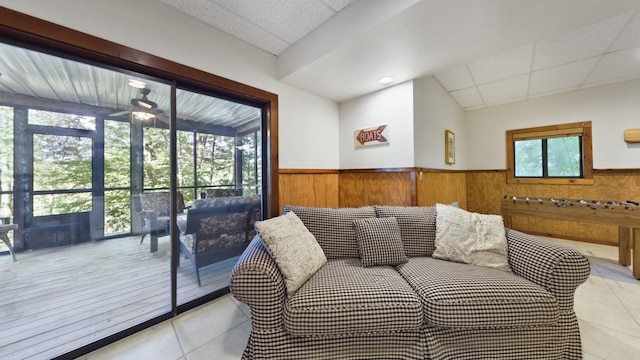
[
  {"x": 137, "y": 84},
  {"x": 385, "y": 80}
]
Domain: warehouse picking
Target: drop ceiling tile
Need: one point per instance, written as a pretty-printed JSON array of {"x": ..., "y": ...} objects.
[
  {"x": 552, "y": 92},
  {"x": 302, "y": 16},
  {"x": 502, "y": 66},
  {"x": 610, "y": 81},
  {"x": 561, "y": 77},
  {"x": 467, "y": 97},
  {"x": 229, "y": 22},
  {"x": 620, "y": 64},
  {"x": 630, "y": 36},
  {"x": 474, "y": 107},
  {"x": 501, "y": 91},
  {"x": 338, "y": 5},
  {"x": 578, "y": 44},
  {"x": 455, "y": 78}
]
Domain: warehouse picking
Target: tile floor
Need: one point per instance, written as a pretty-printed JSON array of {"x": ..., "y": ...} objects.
[{"x": 607, "y": 305}]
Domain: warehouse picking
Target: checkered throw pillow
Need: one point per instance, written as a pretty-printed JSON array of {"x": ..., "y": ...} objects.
[
  {"x": 417, "y": 227},
  {"x": 379, "y": 241},
  {"x": 333, "y": 228}
]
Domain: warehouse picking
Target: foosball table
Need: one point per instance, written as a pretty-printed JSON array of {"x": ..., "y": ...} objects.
[{"x": 624, "y": 214}]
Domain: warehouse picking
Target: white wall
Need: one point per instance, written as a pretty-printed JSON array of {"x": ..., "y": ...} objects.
[
  {"x": 392, "y": 106},
  {"x": 611, "y": 108},
  {"x": 152, "y": 27},
  {"x": 434, "y": 112}
]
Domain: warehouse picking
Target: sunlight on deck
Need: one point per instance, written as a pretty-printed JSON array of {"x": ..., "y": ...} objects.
[{"x": 58, "y": 299}]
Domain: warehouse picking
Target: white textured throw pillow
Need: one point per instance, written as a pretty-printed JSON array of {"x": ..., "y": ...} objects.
[
  {"x": 470, "y": 238},
  {"x": 294, "y": 249}
]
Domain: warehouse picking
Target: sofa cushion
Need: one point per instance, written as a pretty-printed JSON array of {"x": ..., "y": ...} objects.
[
  {"x": 470, "y": 238},
  {"x": 379, "y": 241},
  {"x": 344, "y": 297},
  {"x": 333, "y": 228},
  {"x": 417, "y": 227},
  {"x": 294, "y": 249},
  {"x": 457, "y": 295}
]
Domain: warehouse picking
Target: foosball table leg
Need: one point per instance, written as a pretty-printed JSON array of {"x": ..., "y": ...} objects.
[
  {"x": 624, "y": 245},
  {"x": 507, "y": 221},
  {"x": 636, "y": 253}
]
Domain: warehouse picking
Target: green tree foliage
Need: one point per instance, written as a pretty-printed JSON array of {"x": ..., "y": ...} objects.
[
  {"x": 61, "y": 163},
  {"x": 117, "y": 175},
  {"x": 251, "y": 163},
  {"x": 185, "y": 173},
  {"x": 563, "y": 157},
  {"x": 64, "y": 162},
  {"x": 528, "y": 157},
  {"x": 6, "y": 161},
  {"x": 156, "y": 158},
  {"x": 215, "y": 160}
]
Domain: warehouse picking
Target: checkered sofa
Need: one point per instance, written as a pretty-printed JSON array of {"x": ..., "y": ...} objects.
[{"x": 424, "y": 309}]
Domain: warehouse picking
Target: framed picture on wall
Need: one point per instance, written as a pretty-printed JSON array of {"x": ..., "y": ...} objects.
[{"x": 449, "y": 147}]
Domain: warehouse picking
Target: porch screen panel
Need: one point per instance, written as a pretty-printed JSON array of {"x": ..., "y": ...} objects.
[
  {"x": 117, "y": 177},
  {"x": 61, "y": 163},
  {"x": 6, "y": 170}
]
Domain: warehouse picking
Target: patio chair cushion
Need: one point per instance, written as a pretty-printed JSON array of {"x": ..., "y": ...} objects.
[
  {"x": 219, "y": 222},
  {"x": 234, "y": 203},
  {"x": 213, "y": 193},
  {"x": 158, "y": 202}
]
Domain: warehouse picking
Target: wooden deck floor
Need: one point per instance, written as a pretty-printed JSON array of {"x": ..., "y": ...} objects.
[{"x": 55, "y": 300}]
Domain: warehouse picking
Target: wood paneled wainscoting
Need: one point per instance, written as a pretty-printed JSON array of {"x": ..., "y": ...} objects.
[
  {"x": 441, "y": 186},
  {"x": 308, "y": 187},
  {"x": 362, "y": 187},
  {"x": 486, "y": 189}
]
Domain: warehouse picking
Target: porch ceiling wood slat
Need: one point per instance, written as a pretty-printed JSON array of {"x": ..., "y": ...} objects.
[
  {"x": 52, "y": 79},
  {"x": 55, "y": 300}
]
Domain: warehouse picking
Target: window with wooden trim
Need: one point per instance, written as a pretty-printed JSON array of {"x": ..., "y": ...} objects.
[{"x": 556, "y": 154}]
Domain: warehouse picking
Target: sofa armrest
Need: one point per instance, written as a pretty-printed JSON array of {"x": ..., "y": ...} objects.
[
  {"x": 257, "y": 282},
  {"x": 560, "y": 270}
]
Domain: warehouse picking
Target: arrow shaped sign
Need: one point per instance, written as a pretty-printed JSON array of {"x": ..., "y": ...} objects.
[{"x": 371, "y": 136}]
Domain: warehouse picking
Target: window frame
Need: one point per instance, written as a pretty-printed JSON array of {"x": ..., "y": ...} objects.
[{"x": 582, "y": 129}]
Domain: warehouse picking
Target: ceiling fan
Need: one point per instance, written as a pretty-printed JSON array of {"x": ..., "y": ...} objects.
[{"x": 143, "y": 108}]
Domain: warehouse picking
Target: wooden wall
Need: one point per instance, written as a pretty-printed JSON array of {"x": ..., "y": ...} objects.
[
  {"x": 441, "y": 186},
  {"x": 305, "y": 187},
  {"x": 477, "y": 191},
  {"x": 486, "y": 189},
  {"x": 362, "y": 187}
]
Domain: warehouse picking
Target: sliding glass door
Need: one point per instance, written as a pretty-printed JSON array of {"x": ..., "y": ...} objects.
[
  {"x": 110, "y": 182},
  {"x": 220, "y": 208}
]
